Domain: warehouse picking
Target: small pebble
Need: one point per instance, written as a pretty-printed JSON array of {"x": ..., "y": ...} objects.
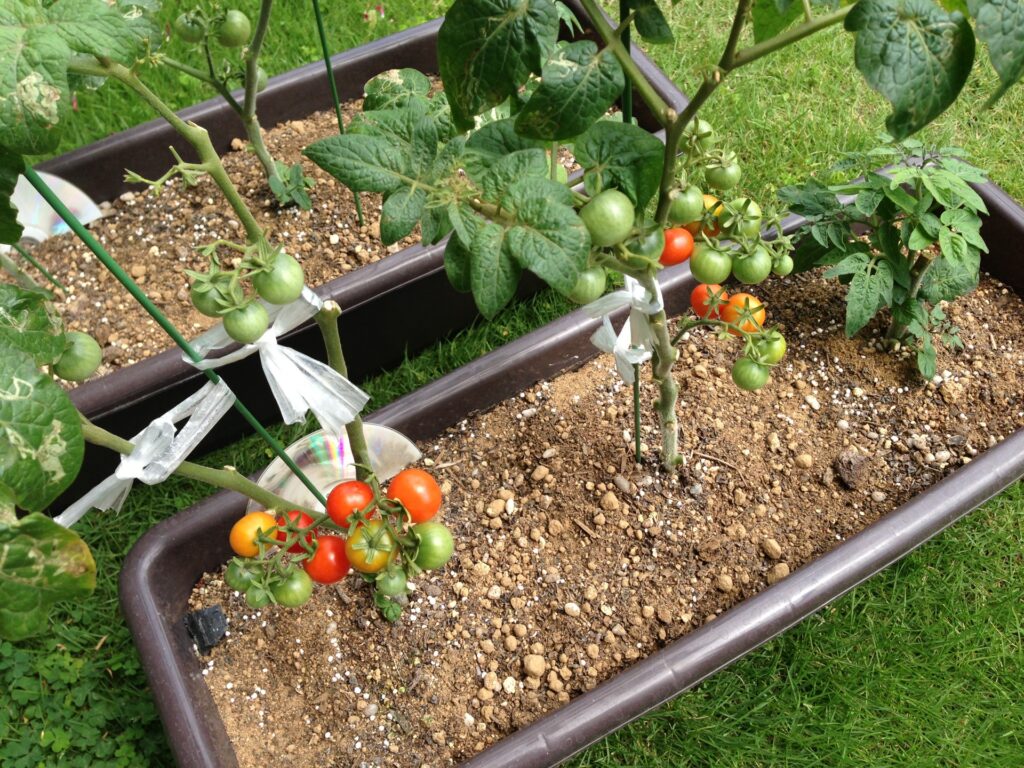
[
  {"x": 777, "y": 573},
  {"x": 572, "y": 609},
  {"x": 804, "y": 461}
]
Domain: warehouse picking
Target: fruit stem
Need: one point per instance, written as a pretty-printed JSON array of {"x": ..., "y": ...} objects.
[
  {"x": 327, "y": 320},
  {"x": 227, "y": 478}
]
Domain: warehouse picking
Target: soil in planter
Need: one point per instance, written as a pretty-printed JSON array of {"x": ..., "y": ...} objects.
[{"x": 572, "y": 562}]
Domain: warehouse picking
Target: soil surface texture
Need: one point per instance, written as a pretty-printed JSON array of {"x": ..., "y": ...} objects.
[{"x": 573, "y": 561}]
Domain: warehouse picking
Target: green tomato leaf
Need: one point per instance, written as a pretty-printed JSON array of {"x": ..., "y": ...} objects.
[
  {"x": 948, "y": 279},
  {"x": 548, "y": 239},
  {"x": 28, "y": 322},
  {"x": 362, "y": 163},
  {"x": 769, "y": 17},
  {"x": 1000, "y": 25},
  {"x": 11, "y": 165},
  {"x": 869, "y": 290},
  {"x": 650, "y": 22},
  {"x": 621, "y": 156},
  {"x": 8, "y": 509},
  {"x": 434, "y": 224},
  {"x": 41, "y": 563},
  {"x": 95, "y": 27},
  {"x": 457, "y": 262},
  {"x": 487, "y": 49},
  {"x": 577, "y": 87},
  {"x": 505, "y": 172},
  {"x": 398, "y": 125},
  {"x": 811, "y": 199},
  {"x": 915, "y": 54},
  {"x": 868, "y": 200},
  {"x": 400, "y": 213},
  {"x": 394, "y": 89},
  {"x": 851, "y": 265},
  {"x": 919, "y": 239},
  {"x": 491, "y": 143},
  {"x": 494, "y": 274},
  {"x": 41, "y": 442},
  {"x": 967, "y": 223}
]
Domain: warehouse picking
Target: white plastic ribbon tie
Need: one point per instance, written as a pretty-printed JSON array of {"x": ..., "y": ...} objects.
[
  {"x": 299, "y": 383},
  {"x": 633, "y": 344},
  {"x": 159, "y": 450}
]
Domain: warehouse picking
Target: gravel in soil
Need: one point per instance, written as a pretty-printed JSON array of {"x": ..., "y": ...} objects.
[
  {"x": 154, "y": 237},
  {"x": 572, "y": 561}
]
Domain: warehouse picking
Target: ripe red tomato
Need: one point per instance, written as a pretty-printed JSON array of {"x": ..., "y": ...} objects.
[
  {"x": 418, "y": 491},
  {"x": 700, "y": 300},
  {"x": 731, "y": 313},
  {"x": 329, "y": 563},
  {"x": 303, "y": 520},
  {"x": 678, "y": 246},
  {"x": 346, "y": 498}
]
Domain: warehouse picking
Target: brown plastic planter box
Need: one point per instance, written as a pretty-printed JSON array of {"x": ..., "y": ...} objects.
[
  {"x": 381, "y": 297},
  {"x": 165, "y": 564}
]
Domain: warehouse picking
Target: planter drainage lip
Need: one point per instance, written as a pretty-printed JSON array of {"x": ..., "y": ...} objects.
[
  {"x": 165, "y": 563},
  {"x": 379, "y": 295}
]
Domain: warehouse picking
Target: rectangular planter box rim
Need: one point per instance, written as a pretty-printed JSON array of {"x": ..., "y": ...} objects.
[{"x": 673, "y": 669}]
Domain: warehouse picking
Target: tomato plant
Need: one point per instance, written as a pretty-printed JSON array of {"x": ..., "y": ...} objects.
[
  {"x": 246, "y": 529},
  {"x": 749, "y": 374},
  {"x": 300, "y": 520},
  {"x": 418, "y": 492},
  {"x": 744, "y": 312},
  {"x": 247, "y": 323},
  {"x": 329, "y": 562},
  {"x": 608, "y": 217},
  {"x": 707, "y": 300},
  {"x": 234, "y": 30},
  {"x": 293, "y": 589},
  {"x": 348, "y": 497},
  {"x": 369, "y": 547},
  {"x": 238, "y": 576},
  {"x": 436, "y": 545},
  {"x": 678, "y": 247},
  {"x": 80, "y": 358},
  {"x": 710, "y": 264},
  {"x": 770, "y": 348},
  {"x": 686, "y": 205},
  {"x": 281, "y": 281},
  {"x": 590, "y": 285},
  {"x": 190, "y": 27},
  {"x": 753, "y": 266}
]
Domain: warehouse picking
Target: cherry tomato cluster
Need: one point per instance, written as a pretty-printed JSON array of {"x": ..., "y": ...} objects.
[
  {"x": 231, "y": 28},
  {"x": 274, "y": 276},
  {"x": 741, "y": 315},
  {"x": 388, "y": 537}
]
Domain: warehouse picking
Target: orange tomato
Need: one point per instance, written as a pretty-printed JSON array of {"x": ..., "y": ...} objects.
[
  {"x": 713, "y": 206},
  {"x": 245, "y": 530},
  {"x": 731, "y": 313}
]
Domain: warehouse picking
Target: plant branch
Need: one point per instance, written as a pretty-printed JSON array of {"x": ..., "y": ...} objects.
[
  {"x": 664, "y": 357},
  {"x": 229, "y": 479},
  {"x": 613, "y": 43},
  {"x": 327, "y": 320},
  {"x": 781, "y": 40}
]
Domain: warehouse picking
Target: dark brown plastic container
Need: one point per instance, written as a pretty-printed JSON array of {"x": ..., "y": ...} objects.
[
  {"x": 162, "y": 568},
  {"x": 391, "y": 308}
]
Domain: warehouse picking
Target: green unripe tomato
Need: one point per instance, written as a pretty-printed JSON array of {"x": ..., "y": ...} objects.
[
  {"x": 783, "y": 266},
  {"x": 234, "y": 30},
  {"x": 750, "y": 375},
  {"x": 392, "y": 582},
  {"x": 608, "y": 217},
  {"x": 261, "y": 79},
  {"x": 282, "y": 283},
  {"x": 436, "y": 545},
  {"x": 81, "y": 357},
  {"x": 710, "y": 265},
  {"x": 238, "y": 577},
  {"x": 686, "y": 205},
  {"x": 294, "y": 589},
  {"x": 246, "y": 324},
  {"x": 206, "y": 298},
  {"x": 189, "y": 28},
  {"x": 649, "y": 243},
  {"x": 745, "y": 223},
  {"x": 752, "y": 268},
  {"x": 701, "y": 132},
  {"x": 589, "y": 286},
  {"x": 257, "y": 597},
  {"x": 770, "y": 349},
  {"x": 723, "y": 177}
]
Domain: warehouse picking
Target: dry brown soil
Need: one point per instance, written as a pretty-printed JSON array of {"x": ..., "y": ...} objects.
[{"x": 572, "y": 561}]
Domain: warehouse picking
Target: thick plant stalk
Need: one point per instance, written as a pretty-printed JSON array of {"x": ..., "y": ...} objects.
[
  {"x": 227, "y": 478},
  {"x": 664, "y": 358},
  {"x": 327, "y": 320},
  {"x": 248, "y": 113}
]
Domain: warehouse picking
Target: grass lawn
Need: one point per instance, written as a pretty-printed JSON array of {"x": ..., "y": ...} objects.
[{"x": 921, "y": 666}]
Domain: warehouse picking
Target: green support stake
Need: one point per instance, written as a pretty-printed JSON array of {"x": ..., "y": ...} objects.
[
  {"x": 140, "y": 296},
  {"x": 334, "y": 88},
  {"x": 627, "y": 91}
]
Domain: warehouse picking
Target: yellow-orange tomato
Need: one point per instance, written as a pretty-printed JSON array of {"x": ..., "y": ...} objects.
[
  {"x": 713, "y": 205},
  {"x": 244, "y": 532},
  {"x": 730, "y": 313}
]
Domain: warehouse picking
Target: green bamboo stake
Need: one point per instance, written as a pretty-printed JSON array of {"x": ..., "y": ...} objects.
[
  {"x": 28, "y": 257},
  {"x": 334, "y": 89},
  {"x": 139, "y": 295},
  {"x": 627, "y": 91}
]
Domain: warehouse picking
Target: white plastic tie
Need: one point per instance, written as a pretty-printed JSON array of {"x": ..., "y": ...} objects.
[
  {"x": 159, "y": 450},
  {"x": 634, "y": 343},
  {"x": 299, "y": 383}
]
